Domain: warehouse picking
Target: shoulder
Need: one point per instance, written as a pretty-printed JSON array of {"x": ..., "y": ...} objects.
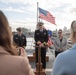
[
  {"x": 15, "y": 35},
  {"x": 64, "y": 56},
  {"x": 45, "y": 30},
  {"x": 64, "y": 37},
  {"x": 15, "y": 60},
  {"x": 23, "y": 35},
  {"x": 36, "y": 30},
  {"x": 19, "y": 60},
  {"x": 60, "y": 58},
  {"x": 59, "y": 64}
]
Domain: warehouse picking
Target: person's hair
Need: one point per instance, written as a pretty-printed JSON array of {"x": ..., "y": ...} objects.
[
  {"x": 19, "y": 29},
  {"x": 60, "y": 30},
  {"x": 73, "y": 31},
  {"x": 6, "y": 35}
]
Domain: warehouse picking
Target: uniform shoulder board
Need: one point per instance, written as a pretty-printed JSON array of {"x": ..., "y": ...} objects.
[
  {"x": 15, "y": 34},
  {"x": 23, "y": 34}
]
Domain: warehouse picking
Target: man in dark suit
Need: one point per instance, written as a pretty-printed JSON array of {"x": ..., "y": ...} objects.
[
  {"x": 41, "y": 39},
  {"x": 19, "y": 38}
]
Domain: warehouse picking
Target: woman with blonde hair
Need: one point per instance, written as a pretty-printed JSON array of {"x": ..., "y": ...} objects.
[
  {"x": 10, "y": 62},
  {"x": 65, "y": 63}
]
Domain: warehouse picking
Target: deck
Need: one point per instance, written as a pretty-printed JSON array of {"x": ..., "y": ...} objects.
[{"x": 49, "y": 64}]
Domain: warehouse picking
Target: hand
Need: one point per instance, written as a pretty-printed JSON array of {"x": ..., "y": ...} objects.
[
  {"x": 39, "y": 42},
  {"x": 24, "y": 47},
  {"x": 60, "y": 49},
  {"x": 41, "y": 45},
  {"x": 22, "y": 51}
]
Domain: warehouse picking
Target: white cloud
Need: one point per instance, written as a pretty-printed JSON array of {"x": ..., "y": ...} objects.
[
  {"x": 63, "y": 10},
  {"x": 14, "y": 10},
  {"x": 20, "y": 10},
  {"x": 13, "y": 1},
  {"x": 18, "y": 1}
]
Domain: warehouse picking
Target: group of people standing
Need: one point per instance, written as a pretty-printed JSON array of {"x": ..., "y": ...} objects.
[
  {"x": 41, "y": 39},
  {"x": 65, "y": 62},
  {"x": 14, "y": 63}
]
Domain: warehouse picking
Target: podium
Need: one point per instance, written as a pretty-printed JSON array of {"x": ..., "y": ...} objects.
[
  {"x": 39, "y": 70},
  {"x": 33, "y": 57}
]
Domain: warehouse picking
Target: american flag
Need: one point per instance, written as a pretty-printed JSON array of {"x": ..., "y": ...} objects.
[{"x": 45, "y": 15}]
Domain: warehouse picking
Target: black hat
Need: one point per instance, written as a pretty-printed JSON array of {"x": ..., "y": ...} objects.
[
  {"x": 60, "y": 31},
  {"x": 19, "y": 29},
  {"x": 40, "y": 23}
]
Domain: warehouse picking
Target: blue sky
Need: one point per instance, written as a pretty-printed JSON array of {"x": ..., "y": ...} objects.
[{"x": 23, "y": 13}]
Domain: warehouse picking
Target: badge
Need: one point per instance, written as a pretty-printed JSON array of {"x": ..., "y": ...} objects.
[
  {"x": 44, "y": 33},
  {"x": 23, "y": 37}
]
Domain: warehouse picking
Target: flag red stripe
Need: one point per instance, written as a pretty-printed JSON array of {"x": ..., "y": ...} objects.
[
  {"x": 47, "y": 18},
  {"x": 45, "y": 15}
]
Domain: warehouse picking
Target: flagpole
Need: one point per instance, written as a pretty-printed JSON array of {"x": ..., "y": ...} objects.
[
  {"x": 37, "y": 15},
  {"x": 37, "y": 28},
  {"x": 37, "y": 12}
]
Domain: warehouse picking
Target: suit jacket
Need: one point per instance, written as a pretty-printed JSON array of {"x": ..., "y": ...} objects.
[
  {"x": 20, "y": 40},
  {"x": 59, "y": 44},
  {"x": 41, "y": 36},
  {"x": 13, "y": 65}
]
